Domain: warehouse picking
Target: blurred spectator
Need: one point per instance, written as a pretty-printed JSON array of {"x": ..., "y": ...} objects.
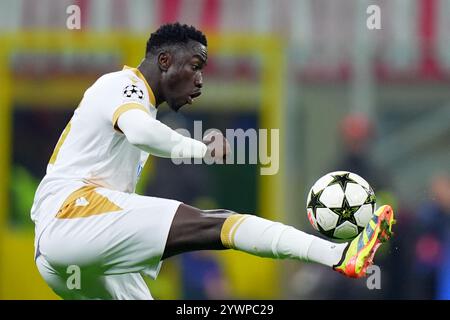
[
  {"x": 432, "y": 248},
  {"x": 357, "y": 133}
]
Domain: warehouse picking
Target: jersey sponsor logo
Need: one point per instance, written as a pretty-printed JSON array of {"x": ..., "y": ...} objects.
[{"x": 133, "y": 92}]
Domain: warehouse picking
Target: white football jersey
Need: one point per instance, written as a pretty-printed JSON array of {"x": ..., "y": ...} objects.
[{"x": 91, "y": 149}]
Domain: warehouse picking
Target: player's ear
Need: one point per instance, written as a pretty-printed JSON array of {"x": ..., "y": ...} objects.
[{"x": 164, "y": 60}]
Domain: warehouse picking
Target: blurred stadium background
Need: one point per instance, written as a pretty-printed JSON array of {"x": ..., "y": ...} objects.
[{"x": 376, "y": 102}]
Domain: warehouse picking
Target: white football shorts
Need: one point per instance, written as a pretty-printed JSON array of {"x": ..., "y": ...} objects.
[{"x": 110, "y": 238}]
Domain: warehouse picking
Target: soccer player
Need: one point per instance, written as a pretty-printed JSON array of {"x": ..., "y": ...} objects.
[{"x": 89, "y": 219}]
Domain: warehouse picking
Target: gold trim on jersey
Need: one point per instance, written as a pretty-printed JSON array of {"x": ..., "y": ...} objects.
[
  {"x": 61, "y": 140},
  {"x": 229, "y": 229},
  {"x": 123, "y": 108},
  {"x": 141, "y": 76},
  {"x": 85, "y": 202}
]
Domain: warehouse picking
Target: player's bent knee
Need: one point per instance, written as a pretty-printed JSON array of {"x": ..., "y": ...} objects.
[{"x": 195, "y": 229}]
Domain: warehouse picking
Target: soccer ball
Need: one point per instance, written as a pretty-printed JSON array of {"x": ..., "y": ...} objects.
[{"x": 340, "y": 204}]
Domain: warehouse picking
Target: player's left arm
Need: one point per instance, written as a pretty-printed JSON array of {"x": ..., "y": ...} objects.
[
  {"x": 127, "y": 113},
  {"x": 156, "y": 138}
]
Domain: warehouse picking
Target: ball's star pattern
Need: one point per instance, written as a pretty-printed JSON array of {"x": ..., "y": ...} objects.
[
  {"x": 342, "y": 180},
  {"x": 315, "y": 202},
  {"x": 371, "y": 198},
  {"x": 346, "y": 212}
]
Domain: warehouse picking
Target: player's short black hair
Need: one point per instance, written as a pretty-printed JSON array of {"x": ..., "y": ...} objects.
[{"x": 171, "y": 34}]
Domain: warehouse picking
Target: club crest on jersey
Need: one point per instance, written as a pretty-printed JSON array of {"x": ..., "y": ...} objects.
[{"x": 133, "y": 92}]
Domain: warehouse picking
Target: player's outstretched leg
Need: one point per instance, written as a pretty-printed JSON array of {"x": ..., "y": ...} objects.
[
  {"x": 359, "y": 253},
  {"x": 194, "y": 229},
  {"x": 270, "y": 239}
]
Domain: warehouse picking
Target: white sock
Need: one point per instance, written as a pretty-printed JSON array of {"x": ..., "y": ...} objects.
[
  {"x": 266, "y": 238},
  {"x": 325, "y": 252}
]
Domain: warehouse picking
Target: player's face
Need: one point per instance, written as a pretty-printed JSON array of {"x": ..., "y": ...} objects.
[{"x": 184, "y": 78}]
